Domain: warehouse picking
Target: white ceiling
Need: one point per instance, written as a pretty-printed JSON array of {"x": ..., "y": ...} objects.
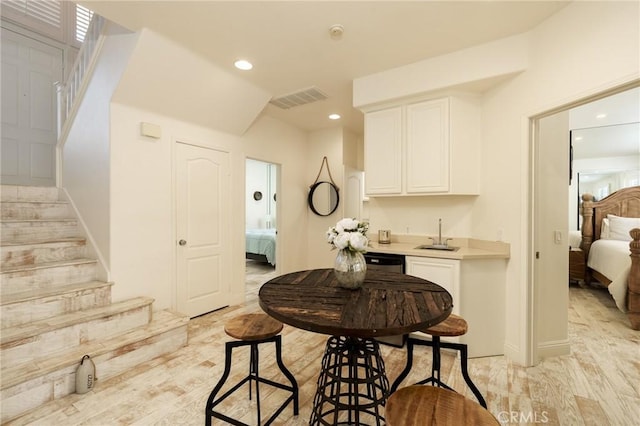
[{"x": 291, "y": 48}]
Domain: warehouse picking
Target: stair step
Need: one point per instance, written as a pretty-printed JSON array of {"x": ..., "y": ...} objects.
[
  {"x": 30, "y": 210},
  {"x": 33, "y": 253},
  {"x": 46, "y": 275},
  {"x": 51, "y": 377},
  {"x": 63, "y": 332},
  {"x": 43, "y": 229},
  {"x": 35, "y": 305},
  {"x": 28, "y": 193}
]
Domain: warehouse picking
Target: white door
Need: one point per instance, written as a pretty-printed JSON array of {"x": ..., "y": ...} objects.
[
  {"x": 29, "y": 71},
  {"x": 203, "y": 218},
  {"x": 551, "y": 245},
  {"x": 353, "y": 189}
]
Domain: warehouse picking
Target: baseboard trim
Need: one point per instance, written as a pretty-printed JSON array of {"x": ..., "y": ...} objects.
[{"x": 554, "y": 348}]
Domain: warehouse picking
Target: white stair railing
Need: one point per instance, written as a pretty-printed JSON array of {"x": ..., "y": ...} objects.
[
  {"x": 73, "y": 88},
  {"x": 71, "y": 92}
]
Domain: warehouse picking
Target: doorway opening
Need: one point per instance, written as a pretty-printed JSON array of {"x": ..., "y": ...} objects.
[
  {"x": 570, "y": 143},
  {"x": 261, "y": 248}
]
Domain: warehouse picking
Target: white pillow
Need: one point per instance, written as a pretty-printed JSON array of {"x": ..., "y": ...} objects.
[
  {"x": 604, "y": 229},
  {"x": 619, "y": 227}
]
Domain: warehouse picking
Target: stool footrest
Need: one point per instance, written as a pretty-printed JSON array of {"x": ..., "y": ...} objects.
[
  {"x": 436, "y": 344},
  {"x": 212, "y": 401}
]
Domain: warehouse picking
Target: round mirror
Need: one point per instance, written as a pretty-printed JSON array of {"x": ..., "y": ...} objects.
[{"x": 323, "y": 198}]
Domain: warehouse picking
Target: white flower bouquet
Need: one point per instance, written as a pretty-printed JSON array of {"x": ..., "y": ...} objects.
[{"x": 349, "y": 234}]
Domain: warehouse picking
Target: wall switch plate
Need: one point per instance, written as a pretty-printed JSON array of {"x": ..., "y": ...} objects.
[{"x": 557, "y": 237}]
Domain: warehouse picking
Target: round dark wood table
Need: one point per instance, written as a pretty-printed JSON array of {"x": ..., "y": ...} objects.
[{"x": 352, "y": 381}]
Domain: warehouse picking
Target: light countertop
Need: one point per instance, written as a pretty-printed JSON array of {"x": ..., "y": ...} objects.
[{"x": 470, "y": 248}]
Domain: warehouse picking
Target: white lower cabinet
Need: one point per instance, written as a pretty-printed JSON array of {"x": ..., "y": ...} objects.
[{"x": 478, "y": 290}]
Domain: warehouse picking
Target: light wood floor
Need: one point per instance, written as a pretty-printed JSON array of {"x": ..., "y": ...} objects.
[{"x": 598, "y": 384}]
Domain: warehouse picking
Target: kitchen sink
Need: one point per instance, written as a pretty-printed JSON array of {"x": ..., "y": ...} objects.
[{"x": 436, "y": 247}]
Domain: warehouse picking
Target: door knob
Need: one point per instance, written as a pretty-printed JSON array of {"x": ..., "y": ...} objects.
[{"x": 182, "y": 242}]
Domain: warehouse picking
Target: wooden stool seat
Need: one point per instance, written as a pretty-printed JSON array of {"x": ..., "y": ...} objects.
[
  {"x": 420, "y": 405},
  {"x": 253, "y": 327},
  {"x": 452, "y": 326},
  {"x": 252, "y": 330}
]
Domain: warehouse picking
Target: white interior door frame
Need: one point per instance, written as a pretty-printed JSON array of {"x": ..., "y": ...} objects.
[{"x": 529, "y": 297}]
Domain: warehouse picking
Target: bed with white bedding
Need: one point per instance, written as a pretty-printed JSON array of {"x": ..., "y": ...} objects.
[
  {"x": 611, "y": 259},
  {"x": 260, "y": 245},
  {"x": 611, "y": 246}
]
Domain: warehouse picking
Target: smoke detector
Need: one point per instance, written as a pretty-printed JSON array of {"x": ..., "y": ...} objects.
[{"x": 336, "y": 31}]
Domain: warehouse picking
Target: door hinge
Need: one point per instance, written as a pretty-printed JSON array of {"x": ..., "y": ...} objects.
[{"x": 537, "y": 255}]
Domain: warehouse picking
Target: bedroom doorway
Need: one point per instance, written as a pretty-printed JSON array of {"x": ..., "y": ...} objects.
[
  {"x": 261, "y": 195},
  {"x": 554, "y": 172}
]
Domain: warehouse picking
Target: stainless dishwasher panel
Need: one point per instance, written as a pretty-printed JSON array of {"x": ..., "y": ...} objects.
[
  {"x": 391, "y": 263},
  {"x": 383, "y": 261}
]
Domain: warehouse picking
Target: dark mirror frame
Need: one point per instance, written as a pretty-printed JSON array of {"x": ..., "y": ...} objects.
[{"x": 310, "y": 198}]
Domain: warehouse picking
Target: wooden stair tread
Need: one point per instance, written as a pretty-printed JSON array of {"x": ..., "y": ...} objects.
[
  {"x": 49, "y": 241},
  {"x": 25, "y": 331},
  {"x": 162, "y": 322},
  {"x": 35, "y": 202},
  {"x": 421, "y": 405},
  {"x": 62, "y": 219},
  {"x": 252, "y": 327},
  {"x": 46, "y": 265},
  {"x": 54, "y": 291}
]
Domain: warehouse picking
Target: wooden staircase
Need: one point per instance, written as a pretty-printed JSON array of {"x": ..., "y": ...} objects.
[{"x": 53, "y": 310}]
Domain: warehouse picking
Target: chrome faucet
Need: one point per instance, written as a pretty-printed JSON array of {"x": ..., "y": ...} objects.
[{"x": 440, "y": 243}]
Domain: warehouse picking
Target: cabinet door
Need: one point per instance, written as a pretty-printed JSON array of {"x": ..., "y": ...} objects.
[
  {"x": 383, "y": 151},
  {"x": 427, "y": 142},
  {"x": 444, "y": 272}
]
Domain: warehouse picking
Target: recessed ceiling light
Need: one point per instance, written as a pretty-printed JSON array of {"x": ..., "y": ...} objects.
[
  {"x": 334, "y": 116},
  {"x": 577, "y": 138},
  {"x": 599, "y": 116},
  {"x": 243, "y": 64}
]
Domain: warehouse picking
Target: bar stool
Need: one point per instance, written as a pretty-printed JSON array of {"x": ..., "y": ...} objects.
[
  {"x": 419, "y": 405},
  {"x": 450, "y": 327},
  {"x": 252, "y": 330}
]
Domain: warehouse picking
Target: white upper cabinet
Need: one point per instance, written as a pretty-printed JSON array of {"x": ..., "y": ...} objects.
[
  {"x": 423, "y": 148},
  {"x": 383, "y": 151}
]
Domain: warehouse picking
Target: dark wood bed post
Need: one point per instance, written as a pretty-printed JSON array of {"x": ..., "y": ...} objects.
[
  {"x": 633, "y": 291},
  {"x": 587, "y": 224}
]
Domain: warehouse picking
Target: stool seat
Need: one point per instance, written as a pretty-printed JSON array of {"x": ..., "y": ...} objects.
[
  {"x": 420, "y": 405},
  {"x": 252, "y": 327},
  {"x": 452, "y": 326},
  {"x": 252, "y": 330}
]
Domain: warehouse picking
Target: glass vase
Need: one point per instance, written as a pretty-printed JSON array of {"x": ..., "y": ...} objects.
[{"x": 350, "y": 269}]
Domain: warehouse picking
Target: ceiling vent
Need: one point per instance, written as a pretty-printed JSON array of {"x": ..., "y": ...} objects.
[{"x": 305, "y": 96}]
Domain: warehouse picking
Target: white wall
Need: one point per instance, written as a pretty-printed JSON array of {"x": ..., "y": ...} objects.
[
  {"x": 85, "y": 156},
  {"x": 584, "y": 49},
  {"x": 143, "y": 206},
  {"x": 141, "y": 190},
  {"x": 322, "y": 143},
  {"x": 257, "y": 179}
]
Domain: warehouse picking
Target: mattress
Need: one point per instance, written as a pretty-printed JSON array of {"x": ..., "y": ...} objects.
[
  {"x": 262, "y": 242},
  {"x": 611, "y": 258}
]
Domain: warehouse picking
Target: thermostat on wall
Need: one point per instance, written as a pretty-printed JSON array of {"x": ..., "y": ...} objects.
[{"x": 150, "y": 130}]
